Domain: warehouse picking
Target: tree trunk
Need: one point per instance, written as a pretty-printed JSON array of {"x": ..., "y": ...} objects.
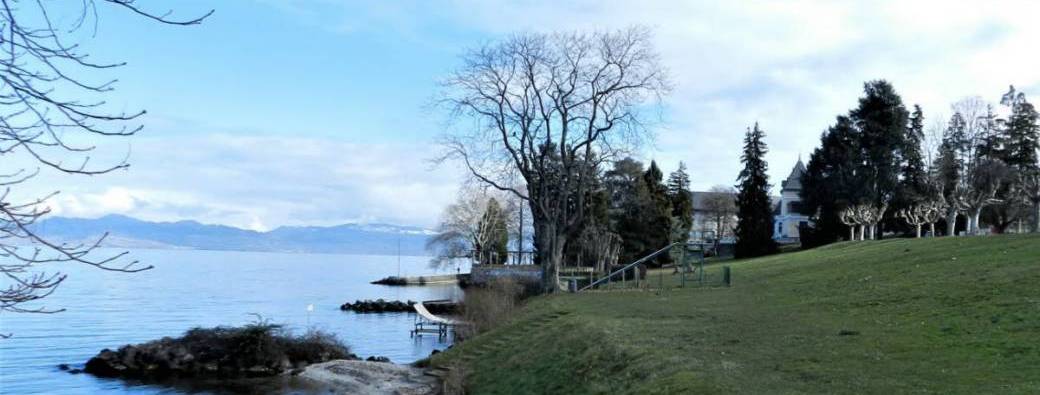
[
  {"x": 852, "y": 232},
  {"x": 1036, "y": 218},
  {"x": 931, "y": 228},
  {"x": 918, "y": 230},
  {"x": 550, "y": 254},
  {"x": 973, "y": 224},
  {"x": 951, "y": 223}
]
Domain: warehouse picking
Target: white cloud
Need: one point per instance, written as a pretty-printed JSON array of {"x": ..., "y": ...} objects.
[
  {"x": 261, "y": 182},
  {"x": 792, "y": 66}
]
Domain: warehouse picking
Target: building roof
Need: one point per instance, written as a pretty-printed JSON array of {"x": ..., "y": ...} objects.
[{"x": 794, "y": 181}]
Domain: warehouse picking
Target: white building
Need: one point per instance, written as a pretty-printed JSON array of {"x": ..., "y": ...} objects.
[
  {"x": 787, "y": 214},
  {"x": 706, "y": 217}
]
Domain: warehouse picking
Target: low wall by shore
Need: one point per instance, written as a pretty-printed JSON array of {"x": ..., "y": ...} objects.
[
  {"x": 482, "y": 274},
  {"x": 419, "y": 280}
]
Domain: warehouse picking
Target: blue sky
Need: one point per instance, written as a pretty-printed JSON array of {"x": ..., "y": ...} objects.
[{"x": 292, "y": 112}]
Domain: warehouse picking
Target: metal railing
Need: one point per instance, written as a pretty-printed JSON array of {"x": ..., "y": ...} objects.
[{"x": 629, "y": 266}]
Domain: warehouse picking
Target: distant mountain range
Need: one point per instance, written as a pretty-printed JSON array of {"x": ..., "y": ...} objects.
[{"x": 127, "y": 232}]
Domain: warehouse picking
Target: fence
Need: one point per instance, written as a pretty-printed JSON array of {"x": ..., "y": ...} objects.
[{"x": 690, "y": 270}]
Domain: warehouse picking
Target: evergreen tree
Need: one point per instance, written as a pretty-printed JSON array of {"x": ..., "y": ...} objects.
[
  {"x": 881, "y": 120},
  {"x": 913, "y": 185},
  {"x": 682, "y": 203},
  {"x": 659, "y": 213},
  {"x": 1013, "y": 141},
  {"x": 754, "y": 208},
  {"x": 832, "y": 183},
  {"x": 914, "y": 177},
  {"x": 629, "y": 207},
  {"x": 1022, "y": 132}
]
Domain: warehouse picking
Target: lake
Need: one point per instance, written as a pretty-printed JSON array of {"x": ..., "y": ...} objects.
[{"x": 189, "y": 288}]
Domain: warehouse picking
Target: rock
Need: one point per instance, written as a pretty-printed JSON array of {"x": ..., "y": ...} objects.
[
  {"x": 106, "y": 364},
  {"x": 378, "y": 359},
  {"x": 63, "y": 367},
  {"x": 217, "y": 352},
  {"x": 363, "y": 377}
]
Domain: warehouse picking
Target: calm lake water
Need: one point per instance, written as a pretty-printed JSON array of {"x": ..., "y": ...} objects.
[{"x": 207, "y": 288}]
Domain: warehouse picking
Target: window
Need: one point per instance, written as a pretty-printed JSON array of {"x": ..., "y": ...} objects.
[{"x": 794, "y": 208}]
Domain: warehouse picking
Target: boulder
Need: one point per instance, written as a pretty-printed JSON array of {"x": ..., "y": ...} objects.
[{"x": 364, "y": 377}]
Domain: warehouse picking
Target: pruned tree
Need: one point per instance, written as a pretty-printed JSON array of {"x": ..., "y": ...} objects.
[
  {"x": 850, "y": 217},
  {"x": 918, "y": 215},
  {"x": 53, "y": 115},
  {"x": 546, "y": 109},
  {"x": 980, "y": 189},
  {"x": 873, "y": 216}
]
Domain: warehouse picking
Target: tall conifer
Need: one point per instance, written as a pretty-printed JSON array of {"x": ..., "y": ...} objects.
[{"x": 754, "y": 208}]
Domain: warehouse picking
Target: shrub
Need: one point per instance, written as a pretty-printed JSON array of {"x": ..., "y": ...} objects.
[{"x": 488, "y": 306}]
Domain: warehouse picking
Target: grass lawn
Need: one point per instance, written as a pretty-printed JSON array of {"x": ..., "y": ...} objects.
[{"x": 946, "y": 315}]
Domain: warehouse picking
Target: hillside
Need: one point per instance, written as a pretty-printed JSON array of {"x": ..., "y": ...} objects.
[
  {"x": 947, "y": 315},
  {"x": 126, "y": 232}
]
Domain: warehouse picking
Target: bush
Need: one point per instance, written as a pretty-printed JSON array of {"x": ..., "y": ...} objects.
[{"x": 489, "y": 306}]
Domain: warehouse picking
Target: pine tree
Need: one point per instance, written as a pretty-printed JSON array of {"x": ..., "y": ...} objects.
[
  {"x": 682, "y": 203},
  {"x": 754, "y": 208},
  {"x": 629, "y": 207},
  {"x": 914, "y": 177},
  {"x": 660, "y": 212},
  {"x": 1022, "y": 132}
]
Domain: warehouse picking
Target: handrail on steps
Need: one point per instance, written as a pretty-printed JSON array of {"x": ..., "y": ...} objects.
[{"x": 630, "y": 265}]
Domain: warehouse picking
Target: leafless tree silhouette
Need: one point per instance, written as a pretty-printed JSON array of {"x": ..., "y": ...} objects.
[
  {"x": 51, "y": 114},
  {"x": 541, "y": 110}
]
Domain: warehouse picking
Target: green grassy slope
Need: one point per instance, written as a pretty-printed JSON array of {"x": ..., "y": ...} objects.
[{"x": 948, "y": 315}]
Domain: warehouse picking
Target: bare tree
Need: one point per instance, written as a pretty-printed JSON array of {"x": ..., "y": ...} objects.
[
  {"x": 468, "y": 229},
  {"x": 546, "y": 109},
  {"x": 973, "y": 110},
  {"x": 933, "y": 138},
  {"x": 721, "y": 206},
  {"x": 51, "y": 117}
]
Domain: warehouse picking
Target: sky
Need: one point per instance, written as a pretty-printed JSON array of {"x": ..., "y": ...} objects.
[{"x": 319, "y": 112}]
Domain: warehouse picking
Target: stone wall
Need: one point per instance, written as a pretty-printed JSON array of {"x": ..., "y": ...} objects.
[{"x": 482, "y": 274}]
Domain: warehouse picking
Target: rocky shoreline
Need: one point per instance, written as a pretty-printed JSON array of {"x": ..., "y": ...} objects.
[
  {"x": 255, "y": 350},
  {"x": 396, "y": 306},
  {"x": 364, "y": 377}
]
